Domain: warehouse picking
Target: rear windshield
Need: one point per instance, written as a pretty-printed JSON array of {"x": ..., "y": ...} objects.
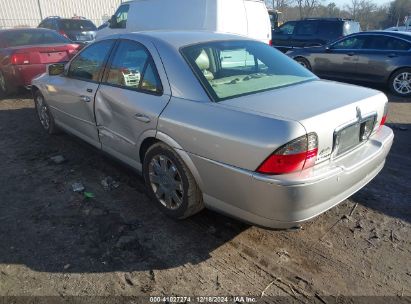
[
  {"x": 31, "y": 37},
  {"x": 77, "y": 25},
  {"x": 228, "y": 69}
]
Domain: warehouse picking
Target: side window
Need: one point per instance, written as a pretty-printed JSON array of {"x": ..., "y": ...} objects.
[
  {"x": 398, "y": 44},
  {"x": 89, "y": 64},
  {"x": 236, "y": 59},
  {"x": 132, "y": 67},
  {"x": 287, "y": 28},
  {"x": 351, "y": 43},
  {"x": 306, "y": 28},
  {"x": 120, "y": 17}
]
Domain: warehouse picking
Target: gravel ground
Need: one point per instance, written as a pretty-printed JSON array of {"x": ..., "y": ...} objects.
[{"x": 55, "y": 242}]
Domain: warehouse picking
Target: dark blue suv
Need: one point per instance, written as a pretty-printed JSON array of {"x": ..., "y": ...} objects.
[{"x": 312, "y": 32}]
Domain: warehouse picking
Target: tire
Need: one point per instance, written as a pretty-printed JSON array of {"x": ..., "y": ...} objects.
[
  {"x": 170, "y": 183},
  {"x": 304, "y": 62},
  {"x": 4, "y": 87},
  {"x": 400, "y": 82},
  {"x": 46, "y": 119}
]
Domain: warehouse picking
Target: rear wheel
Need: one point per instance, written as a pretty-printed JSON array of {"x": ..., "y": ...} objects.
[
  {"x": 4, "y": 90},
  {"x": 400, "y": 82},
  {"x": 304, "y": 62},
  {"x": 170, "y": 183},
  {"x": 44, "y": 114}
]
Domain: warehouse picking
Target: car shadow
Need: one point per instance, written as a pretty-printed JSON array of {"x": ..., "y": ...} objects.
[
  {"x": 390, "y": 191},
  {"x": 48, "y": 227}
]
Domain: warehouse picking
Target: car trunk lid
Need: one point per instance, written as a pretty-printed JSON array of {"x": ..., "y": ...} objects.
[
  {"x": 44, "y": 54},
  {"x": 324, "y": 107}
]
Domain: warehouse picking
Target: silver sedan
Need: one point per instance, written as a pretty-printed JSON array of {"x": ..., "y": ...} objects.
[{"x": 220, "y": 121}]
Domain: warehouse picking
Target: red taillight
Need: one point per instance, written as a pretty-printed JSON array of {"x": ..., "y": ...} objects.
[
  {"x": 20, "y": 58},
  {"x": 384, "y": 116},
  {"x": 61, "y": 32},
  {"x": 297, "y": 155},
  {"x": 270, "y": 42}
]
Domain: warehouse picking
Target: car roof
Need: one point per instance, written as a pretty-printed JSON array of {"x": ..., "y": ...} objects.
[
  {"x": 24, "y": 29},
  {"x": 403, "y": 35},
  {"x": 179, "y": 39}
]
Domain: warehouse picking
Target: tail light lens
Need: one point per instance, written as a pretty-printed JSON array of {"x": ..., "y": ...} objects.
[
  {"x": 270, "y": 42},
  {"x": 20, "y": 58},
  {"x": 384, "y": 116},
  {"x": 297, "y": 155},
  {"x": 61, "y": 32}
]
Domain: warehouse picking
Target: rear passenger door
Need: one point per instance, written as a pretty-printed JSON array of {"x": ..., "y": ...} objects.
[
  {"x": 133, "y": 93},
  {"x": 379, "y": 56},
  {"x": 305, "y": 34}
]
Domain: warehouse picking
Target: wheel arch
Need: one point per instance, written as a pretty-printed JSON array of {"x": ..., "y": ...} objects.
[
  {"x": 148, "y": 141},
  {"x": 394, "y": 71}
]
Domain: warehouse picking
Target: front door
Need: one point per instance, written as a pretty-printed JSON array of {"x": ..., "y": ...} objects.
[
  {"x": 340, "y": 60},
  {"x": 71, "y": 96}
]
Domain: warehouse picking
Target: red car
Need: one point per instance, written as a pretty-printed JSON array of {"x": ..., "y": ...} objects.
[{"x": 25, "y": 53}]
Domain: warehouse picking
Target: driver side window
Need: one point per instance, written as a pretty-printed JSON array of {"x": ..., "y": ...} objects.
[
  {"x": 89, "y": 64},
  {"x": 120, "y": 17},
  {"x": 287, "y": 28}
]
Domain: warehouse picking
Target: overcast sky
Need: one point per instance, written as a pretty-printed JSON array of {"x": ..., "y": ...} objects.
[{"x": 341, "y": 3}]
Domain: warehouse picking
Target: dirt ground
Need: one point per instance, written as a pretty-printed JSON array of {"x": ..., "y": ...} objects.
[{"x": 55, "y": 242}]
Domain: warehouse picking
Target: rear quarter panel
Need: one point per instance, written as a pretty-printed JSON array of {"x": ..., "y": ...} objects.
[{"x": 226, "y": 135}]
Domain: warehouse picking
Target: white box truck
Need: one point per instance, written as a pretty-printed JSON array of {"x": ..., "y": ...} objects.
[{"x": 243, "y": 17}]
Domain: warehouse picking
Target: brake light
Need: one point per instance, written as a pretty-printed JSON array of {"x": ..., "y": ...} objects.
[
  {"x": 61, "y": 32},
  {"x": 384, "y": 116},
  {"x": 270, "y": 42},
  {"x": 297, "y": 155},
  {"x": 20, "y": 58}
]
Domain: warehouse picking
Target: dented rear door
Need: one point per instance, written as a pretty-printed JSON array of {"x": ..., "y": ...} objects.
[{"x": 129, "y": 101}]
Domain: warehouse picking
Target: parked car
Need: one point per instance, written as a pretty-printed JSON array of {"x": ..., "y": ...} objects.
[
  {"x": 265, "y": 141},
  {"x": 374, "y": 57},
  {"x": 25, "y": 53},
  {"x": 77, "y": 29},
  {"x": 243, "y": 17},
  {"x": 312, "y": 32}
]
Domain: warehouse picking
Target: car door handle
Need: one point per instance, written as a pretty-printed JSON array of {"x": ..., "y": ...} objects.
[
  {"x": 85, "y": 98},
  {"x": 392, "y": 55},
  {"x": 351, "y": 54},
  {"x": 142, "y": 117}
]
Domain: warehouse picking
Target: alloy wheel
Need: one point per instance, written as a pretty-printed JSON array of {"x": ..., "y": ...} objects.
[
  {"x": 42, "y": 112},
  {"x": 166, "y": 182},
  {"x": 402, "y": 83}
]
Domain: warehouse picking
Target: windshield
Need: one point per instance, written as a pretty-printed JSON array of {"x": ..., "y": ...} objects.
[
  {"x": 31, "y": 37},
  {"x": 77, "y": 25},
  {"x": 229, "y": 69}
]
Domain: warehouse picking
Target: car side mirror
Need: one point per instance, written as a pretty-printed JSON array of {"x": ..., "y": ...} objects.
[
  {"x": 328, "y": 49},
  {"x": 56, "y": 69}
]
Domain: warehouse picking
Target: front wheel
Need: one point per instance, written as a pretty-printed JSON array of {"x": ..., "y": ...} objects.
[
  {"x": 400, "y": 82},
  {"x": 170, "y": 183},
  {"x": 43, "y": 112},
  {"x": 304, "y": 62}
]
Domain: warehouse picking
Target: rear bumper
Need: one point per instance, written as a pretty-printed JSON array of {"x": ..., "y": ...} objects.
[
  {"x": 24, "y": 74},
  {"x": 285, "y": 201}
]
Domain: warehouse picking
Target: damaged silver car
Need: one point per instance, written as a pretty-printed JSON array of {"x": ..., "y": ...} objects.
[{"x": 220, "y": 121}]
